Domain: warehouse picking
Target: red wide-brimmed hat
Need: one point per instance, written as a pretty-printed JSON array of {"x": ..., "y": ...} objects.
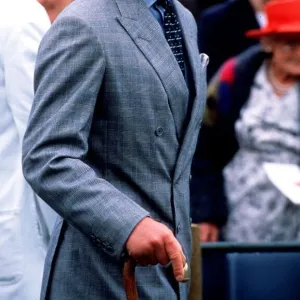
[{"x": 283, "y": 18}]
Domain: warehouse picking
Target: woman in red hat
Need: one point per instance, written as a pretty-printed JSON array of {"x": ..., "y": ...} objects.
[{"x": 252, "y": 118}]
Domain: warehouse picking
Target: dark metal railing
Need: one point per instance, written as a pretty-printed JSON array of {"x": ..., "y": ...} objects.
[{"x": 251, "y": 247}]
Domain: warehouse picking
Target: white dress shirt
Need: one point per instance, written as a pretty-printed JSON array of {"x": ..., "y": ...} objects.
[{"x": 25, "y": 222}]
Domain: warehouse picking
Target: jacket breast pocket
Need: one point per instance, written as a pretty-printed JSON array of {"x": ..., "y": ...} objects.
[
  {"x": 204, "y": 60},
  {"x": 11, "y": 257},
  {"x": 202, "y": 63}
]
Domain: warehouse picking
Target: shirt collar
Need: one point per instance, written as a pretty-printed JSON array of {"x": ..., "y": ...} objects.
[{"x": 149, "y": 3}]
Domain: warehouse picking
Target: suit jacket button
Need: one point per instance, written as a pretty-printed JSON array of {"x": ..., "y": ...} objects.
[
  {"x": 178, "y": 228},
  {"x": 159, "y": 131}
]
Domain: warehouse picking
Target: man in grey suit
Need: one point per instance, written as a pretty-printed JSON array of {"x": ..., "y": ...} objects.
[{"x": 109, "y": 146}]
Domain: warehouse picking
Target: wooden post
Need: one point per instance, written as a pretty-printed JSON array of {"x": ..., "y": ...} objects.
[{"x": 196, "y": 274}]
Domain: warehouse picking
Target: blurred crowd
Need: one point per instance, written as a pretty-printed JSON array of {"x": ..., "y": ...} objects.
[{"x": 251, "y": 118}]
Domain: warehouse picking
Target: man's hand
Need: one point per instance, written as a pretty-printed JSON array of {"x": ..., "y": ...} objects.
[
  {"x": 152, "y": 243},
  {"x": 208, "y": 232}
]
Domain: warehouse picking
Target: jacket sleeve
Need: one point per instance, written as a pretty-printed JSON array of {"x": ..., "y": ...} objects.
[
  {"x": 69, "y": 74},
  {"x": 208, "y": 201}
]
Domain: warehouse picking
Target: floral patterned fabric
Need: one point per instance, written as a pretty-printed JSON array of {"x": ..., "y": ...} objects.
[{"x": 268, "y": 130}]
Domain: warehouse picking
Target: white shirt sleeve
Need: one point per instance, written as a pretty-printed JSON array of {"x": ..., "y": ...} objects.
[{"x": 20, "y": 51}]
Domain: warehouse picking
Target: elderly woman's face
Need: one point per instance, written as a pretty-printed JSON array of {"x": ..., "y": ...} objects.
[{"x": 286, "y": 53}]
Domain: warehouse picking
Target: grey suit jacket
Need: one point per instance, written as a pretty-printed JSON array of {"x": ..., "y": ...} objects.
[{"x": 108, "y": 143}]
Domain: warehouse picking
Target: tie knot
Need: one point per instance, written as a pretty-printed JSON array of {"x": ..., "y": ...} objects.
[{"x": 165, "y": 3}]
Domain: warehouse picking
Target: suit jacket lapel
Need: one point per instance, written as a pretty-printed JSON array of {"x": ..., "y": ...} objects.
[
  {"x": 199, "y": 82},
  {"x": 147, "y": 34},
  {"x": 192, "y": 57}
]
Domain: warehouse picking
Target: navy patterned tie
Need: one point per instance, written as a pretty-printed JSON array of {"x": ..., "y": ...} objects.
[{"x": 173, "y": 32}]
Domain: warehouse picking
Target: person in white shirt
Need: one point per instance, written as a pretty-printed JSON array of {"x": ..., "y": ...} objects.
[{"x": 25, "y": 222}]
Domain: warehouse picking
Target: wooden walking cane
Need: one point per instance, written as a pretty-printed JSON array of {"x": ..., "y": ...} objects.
[
  {"x": 129, "y": 280},
  {"x": 195, "y": 272},
  {"x": 195, "y": 288}
]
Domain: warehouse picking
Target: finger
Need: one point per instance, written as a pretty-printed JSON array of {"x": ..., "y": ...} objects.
[
  {"x": 208, "y": 232},
  {"x": 152, "y": 260},
  {"x": 214, "y": 235},
  {"x": 204, "y": 234},
  {"x": 162, "y": 256},
  {"x": 146, "y": 260},
  {"x": 174, "y": 252},
  {"x": 177, "y": 265},
  {"x": 142, "y": 263},
  {"x": 210, "y": 235}
]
